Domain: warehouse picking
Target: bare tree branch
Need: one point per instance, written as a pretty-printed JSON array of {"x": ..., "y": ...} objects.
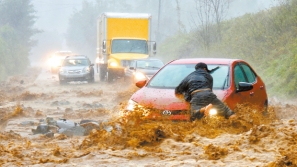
[{"x": 210, "y": 14}]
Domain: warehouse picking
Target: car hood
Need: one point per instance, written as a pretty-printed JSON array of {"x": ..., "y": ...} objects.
[{"x": 164, "y": 99}]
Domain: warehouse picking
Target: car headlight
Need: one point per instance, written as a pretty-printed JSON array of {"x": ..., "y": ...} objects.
[
  {"x": 97, "y": 60},
  {"x": 139, "y": 76},
  {"x": 213, "y": 112},
  {"x": 62, "y": 71},
  {"x": 55, "y": 62},
  {"x": 131, "y": 105},
  {"x": 113, "y": 64},
  {"x": 86, "y": 70}
]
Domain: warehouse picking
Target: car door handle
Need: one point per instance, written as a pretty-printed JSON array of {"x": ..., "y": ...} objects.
[
  {"x": 261, "y": 87},
  {"x": 251, "y": 93}
]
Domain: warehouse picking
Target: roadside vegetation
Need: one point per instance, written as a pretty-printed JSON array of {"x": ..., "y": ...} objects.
[
  {"x": 267, "y": 39},
  {"x": 16, "y": 30}
]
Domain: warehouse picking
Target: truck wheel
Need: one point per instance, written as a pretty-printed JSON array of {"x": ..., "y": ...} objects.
[
  {"x": 109, "y": 76},
  {"x": 102, "y": 74}
]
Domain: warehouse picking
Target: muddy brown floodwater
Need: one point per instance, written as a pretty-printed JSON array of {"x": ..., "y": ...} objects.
[{"x": 29, "y": 99}]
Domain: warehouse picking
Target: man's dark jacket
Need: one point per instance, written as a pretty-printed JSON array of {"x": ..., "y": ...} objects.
[{"x": 199, "y": 79}]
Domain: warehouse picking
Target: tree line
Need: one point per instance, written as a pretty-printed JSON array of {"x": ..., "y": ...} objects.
[{"x": 16, "y": 29}]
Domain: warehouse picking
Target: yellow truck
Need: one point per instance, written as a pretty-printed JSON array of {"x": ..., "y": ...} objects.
[{"x": 122, "y": 37}]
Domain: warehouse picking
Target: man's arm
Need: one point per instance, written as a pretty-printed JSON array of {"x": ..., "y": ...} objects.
[{"x": 181, "y": 88}]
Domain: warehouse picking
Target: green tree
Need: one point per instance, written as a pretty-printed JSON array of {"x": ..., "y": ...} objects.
[
  {"x": 20, "y": 16},
  {"x": 16, "y": 29},
  {"x": 12, "y": 52}
]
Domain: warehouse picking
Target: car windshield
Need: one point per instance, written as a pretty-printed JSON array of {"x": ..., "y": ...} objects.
[
  {"x": 75, "y": 62},
  {"x": 129, "y": 46},
  {"x": 149, "y": 64},
  {"x": 171, "y": 75}
]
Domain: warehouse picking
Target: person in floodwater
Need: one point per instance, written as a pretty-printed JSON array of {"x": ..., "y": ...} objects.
[{"x": 197, "y": 89}]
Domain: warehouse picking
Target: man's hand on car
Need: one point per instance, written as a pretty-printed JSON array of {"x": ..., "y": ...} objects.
[{"x": 180, "y": 96}]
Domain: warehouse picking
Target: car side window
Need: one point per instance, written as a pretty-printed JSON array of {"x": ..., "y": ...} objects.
[
  {"x": 238, "y": 75},
  {"x": 251, "y": 76}
]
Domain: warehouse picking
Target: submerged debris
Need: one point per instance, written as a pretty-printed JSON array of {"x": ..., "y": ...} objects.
[{"x": 49, "y": 126}]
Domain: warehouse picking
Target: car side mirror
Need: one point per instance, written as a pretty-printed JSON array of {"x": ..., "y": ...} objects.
[
  {"x": 154, "y": 48},
  {"x": 244, "y": 86},
  {"x": 140, "y": 83}
]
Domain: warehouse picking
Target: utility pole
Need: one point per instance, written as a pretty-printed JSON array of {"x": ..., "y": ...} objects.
[{"x": 158, "y": 30}]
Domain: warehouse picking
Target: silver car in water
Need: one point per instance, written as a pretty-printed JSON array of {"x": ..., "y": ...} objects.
[
  {"x": 142, "y": 69},
  {"x": 76, "y": 68}
]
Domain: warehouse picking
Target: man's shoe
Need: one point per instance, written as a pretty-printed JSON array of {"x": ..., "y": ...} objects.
[{"x": 207, "y": 109}]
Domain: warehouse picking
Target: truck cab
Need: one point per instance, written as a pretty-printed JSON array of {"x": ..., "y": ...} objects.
[{"x": 122, "y": 37}]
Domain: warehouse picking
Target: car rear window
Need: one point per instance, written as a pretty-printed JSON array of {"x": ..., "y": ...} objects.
[{"x": 171, "y": 75}]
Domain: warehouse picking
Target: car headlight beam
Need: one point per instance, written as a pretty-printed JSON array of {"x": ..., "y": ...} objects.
[
  {"x": 213, "y": 112},
  {"x": 131, "y": 105},
  {"x": 113, "y": 64},
  {"x": 139, "y": 76},
  {"x": 55, "y": 61}
]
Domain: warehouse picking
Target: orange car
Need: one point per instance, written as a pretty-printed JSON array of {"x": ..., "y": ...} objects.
[{"x": 234, "y": 82}]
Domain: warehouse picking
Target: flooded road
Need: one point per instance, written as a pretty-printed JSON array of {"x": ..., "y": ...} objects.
[{"x": 100, "y": 137}]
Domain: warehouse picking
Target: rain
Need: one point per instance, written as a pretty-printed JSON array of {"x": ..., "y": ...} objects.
[{"x": 48, "y": 118}]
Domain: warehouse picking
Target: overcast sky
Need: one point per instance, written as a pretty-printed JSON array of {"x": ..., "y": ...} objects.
[{"x": 54, "y": 14}]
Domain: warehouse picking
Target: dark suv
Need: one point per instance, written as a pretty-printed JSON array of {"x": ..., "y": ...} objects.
[{"x": 76, "y": 68}]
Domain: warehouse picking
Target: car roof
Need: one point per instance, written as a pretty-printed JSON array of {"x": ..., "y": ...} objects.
[{"x": 225, "y": 61}]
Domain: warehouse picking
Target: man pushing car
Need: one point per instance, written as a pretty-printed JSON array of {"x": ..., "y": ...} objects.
[{"x": 197, "y": 89}]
